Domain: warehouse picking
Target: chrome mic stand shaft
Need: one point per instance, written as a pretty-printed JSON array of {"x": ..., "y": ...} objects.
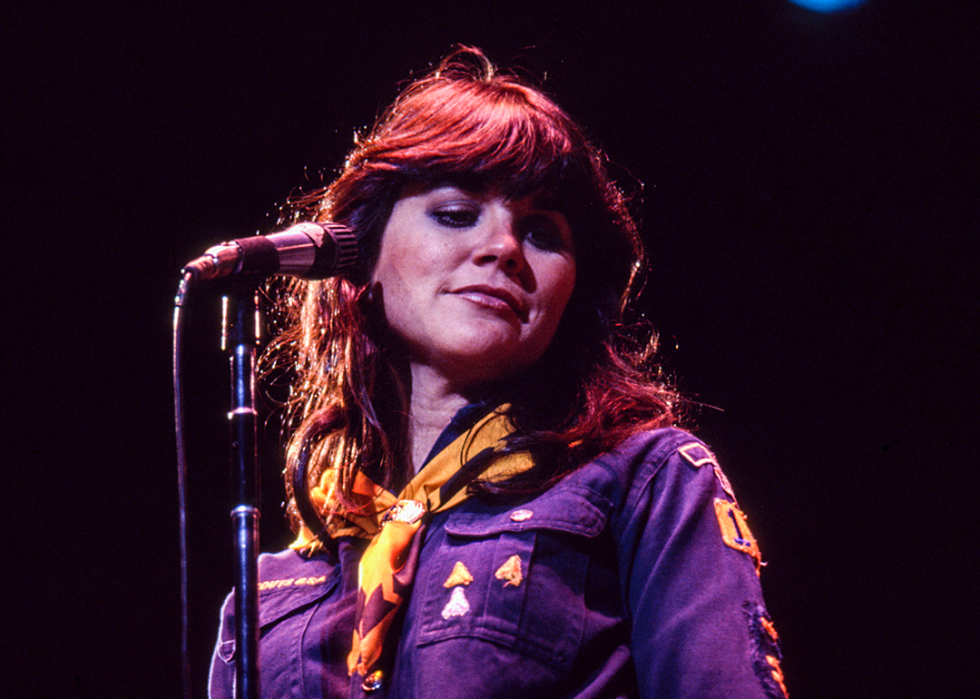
[{"x": 239, "y": 337}]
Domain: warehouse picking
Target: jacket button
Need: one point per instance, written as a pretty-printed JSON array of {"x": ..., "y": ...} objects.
[{"x": 521, "y": 515}]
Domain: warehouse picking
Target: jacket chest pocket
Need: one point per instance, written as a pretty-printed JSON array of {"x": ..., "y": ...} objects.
[
  {"x": 282, "y": 603},
  {"x": 514, "y": 577}
]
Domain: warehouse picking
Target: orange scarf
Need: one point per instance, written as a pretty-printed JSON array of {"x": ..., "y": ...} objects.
[{"x": 388, "y": 565}]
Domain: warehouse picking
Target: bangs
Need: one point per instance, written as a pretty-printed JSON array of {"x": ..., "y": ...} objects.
[{"x": 480, "y": 136}]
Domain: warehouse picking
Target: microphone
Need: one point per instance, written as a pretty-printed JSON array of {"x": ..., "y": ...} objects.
[{"x": 309, "y": 250}]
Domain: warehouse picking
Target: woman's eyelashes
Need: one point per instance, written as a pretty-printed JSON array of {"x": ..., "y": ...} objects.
[
  {"x": 456, "y": 216},
  {"x": 543, "y": 233},
  {"x": 538, "y": 229}
]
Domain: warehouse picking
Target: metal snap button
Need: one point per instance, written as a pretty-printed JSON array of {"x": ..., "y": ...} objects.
[{"x": 373, "y": 682}]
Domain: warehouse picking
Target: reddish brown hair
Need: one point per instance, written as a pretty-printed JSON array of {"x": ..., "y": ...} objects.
[{"x": 468, "y": 124}]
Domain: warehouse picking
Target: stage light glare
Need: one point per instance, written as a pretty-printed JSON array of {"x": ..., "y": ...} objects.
[{"x": 827, "y": 5}]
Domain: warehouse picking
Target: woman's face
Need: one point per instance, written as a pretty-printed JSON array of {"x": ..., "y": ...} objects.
[{"x": 472, "y": 283}]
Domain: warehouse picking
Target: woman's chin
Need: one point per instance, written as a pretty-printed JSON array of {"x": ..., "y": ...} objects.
[{"x": 479, "y": 366}]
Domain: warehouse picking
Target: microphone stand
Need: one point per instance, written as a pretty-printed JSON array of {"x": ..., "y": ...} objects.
[
  {"x": 239, "y": 338},
  {"x": 316, "y": 250}
]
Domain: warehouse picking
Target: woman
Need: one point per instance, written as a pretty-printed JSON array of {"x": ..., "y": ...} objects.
[{"x": 489, "y": 493}]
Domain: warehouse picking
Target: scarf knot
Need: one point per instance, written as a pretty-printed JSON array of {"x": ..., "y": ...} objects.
[{"x": 392, "y": 523}]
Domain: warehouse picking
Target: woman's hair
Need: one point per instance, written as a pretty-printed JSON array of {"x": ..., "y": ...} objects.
[{"x": 467, "y": 124}]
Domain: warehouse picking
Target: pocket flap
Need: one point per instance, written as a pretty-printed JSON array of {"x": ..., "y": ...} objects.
[
  {"x": 281, "y": 597},
  {"x": 573, "y": 509},
  {"x": 287, "y": 583}
]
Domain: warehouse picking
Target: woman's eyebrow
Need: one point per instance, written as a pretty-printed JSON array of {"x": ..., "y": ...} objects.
[{"x": 425, "y": 188}]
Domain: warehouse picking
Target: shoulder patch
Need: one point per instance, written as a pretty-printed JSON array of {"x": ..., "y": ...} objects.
[
  {"x": 735, "y": 531},
  {"x": 697, "y": 454},
  {"x": 723, "y": 479}
]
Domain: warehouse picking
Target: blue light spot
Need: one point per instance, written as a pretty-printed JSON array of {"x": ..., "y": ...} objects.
[{"x": 827, "y": 5}]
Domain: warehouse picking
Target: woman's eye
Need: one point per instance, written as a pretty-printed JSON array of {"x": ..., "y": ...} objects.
[
  {"x": 456, "y": 217},
  {"x": 544, "y": 234}
]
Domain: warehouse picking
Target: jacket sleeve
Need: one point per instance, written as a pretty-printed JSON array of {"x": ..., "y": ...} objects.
[
  {"x": 221, "y": 680},
  {"x": 689, "y": 570}
]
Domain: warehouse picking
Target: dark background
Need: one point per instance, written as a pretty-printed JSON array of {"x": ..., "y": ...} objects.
[{"x": 809, "y": 202}]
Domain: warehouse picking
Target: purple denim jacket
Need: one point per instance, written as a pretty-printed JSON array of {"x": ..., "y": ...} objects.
[{"x": 635, "y": 577}]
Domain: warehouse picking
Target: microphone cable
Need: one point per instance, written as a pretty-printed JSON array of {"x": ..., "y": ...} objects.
[{"x": 185, "y": 660}]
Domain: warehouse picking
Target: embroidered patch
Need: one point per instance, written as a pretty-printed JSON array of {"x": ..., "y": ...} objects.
[
  {"x": 770, "y": 629},
  {"x": 777, "y": 673},
  {"x": 766, "y": 655},
  {"x": 457, "y": 605},
  {"x": 735, "y": 532},
  {"x": 510, "y": 571},
  {"x": 697, "y": 454},
  {"x": 290, "y": 582},
  {"x": 459, "y": 576},
  {"x": 723, "y": 479}
]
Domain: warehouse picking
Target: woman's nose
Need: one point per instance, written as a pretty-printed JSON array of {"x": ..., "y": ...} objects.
[{"x": 502, "y": 243}]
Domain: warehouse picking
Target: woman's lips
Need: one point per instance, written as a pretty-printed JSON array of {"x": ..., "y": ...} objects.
[{"x": 494, "y": 297}]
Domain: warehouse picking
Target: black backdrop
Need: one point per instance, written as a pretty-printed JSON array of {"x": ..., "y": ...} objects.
[{"x": 809, "y": 201}]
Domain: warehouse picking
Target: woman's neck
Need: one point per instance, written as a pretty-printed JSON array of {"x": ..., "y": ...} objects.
[{"x": 433, "y": 403}]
